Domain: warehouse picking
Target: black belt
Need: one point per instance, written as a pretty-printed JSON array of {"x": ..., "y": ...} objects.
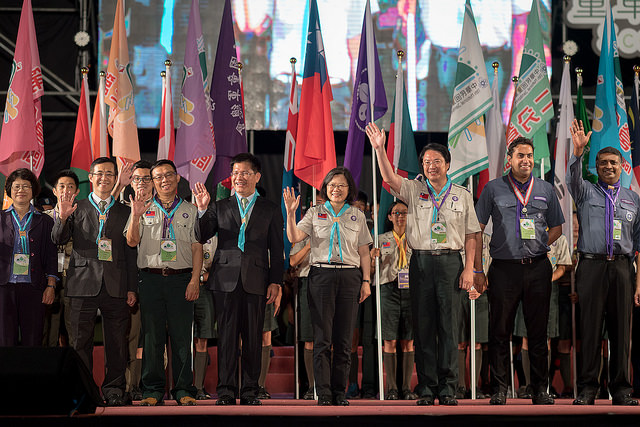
[
  {"x": 332, "y": 265},
  {"x": 166, "y": 271},
  {"x": 435, "y": 252},
  {"x": 602, "y": 257},
  {"x": 523, "y": 260}
]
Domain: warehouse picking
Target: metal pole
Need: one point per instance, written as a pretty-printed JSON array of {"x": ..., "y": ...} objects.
[
  {"x": 472, "y": 327},
  {"x": 574, "y": 361},
  {"x": 513, "y": 382},
  {"x": 295, "y": 334}
]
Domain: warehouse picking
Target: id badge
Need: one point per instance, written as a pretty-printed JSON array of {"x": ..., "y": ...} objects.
[
  {"x": 168, "y": 251},
  {"x": 617, "y": 229},
  {"x": 20, "y": 264},
  {"x": 439, "y": 232},
  {"x": 527, "y": 229},
  {"x": 105, "y": 249},
  {"x": 60, "y": 262},
  {"x": 403, "y": 279}
]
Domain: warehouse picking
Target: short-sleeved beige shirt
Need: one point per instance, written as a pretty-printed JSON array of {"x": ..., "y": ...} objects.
[
  {"x": 208, "y": 250},
  {"x": 559, "y": 253},
  {"x": 303, "y": 267},
  {"x": 458, "y": 213},
  {"x": 389, "y": 257},
  {"x": 151, "y": 228},
  {"x": 354, "y": 233}
]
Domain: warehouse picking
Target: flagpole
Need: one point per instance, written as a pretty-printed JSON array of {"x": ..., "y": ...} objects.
[
  {"x": 103, "y": 116},
  {"x": 472, "y": 328}
]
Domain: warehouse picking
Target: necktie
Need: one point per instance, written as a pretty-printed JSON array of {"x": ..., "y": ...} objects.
[
  {"x": 102, "y": 205},
  {"x": 244, "y": 202}
]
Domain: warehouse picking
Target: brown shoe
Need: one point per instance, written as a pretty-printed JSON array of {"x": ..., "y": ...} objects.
[
  {"x": 187, "y": 401},
  {"x": 151, "y": 401}
]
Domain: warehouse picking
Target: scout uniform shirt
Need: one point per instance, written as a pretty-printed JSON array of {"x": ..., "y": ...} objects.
[
  {"x": 454, "y": 220},
  {"x": 353, "y": 233},
  {"x": 303, "y": 268},
  {"x": 559, "y": 253},
  {"x": 389, "y": 254}
]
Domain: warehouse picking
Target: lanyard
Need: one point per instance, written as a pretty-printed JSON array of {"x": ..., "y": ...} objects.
[
  {"x": 243, "y": 215},
  {"x": 401, "y": 242},
  {"x": 612, "y": 192},
  {"x": 22, "y": 230},
  {"x": 521, "y": 206},
  {"x": 335, "y": 229},
  {"x": 102, "y": 217},
  {"x": 439, "y": 197},
  {"x": 167, "y": 224}
]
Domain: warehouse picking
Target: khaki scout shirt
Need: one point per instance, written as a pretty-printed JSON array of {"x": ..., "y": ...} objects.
[
  {"x": 151, "y": 224},
  {"x": 208, "y": 250},
  {"x": 389, "y": 257},
  {"x": 354, "y": 233},
  {"x": 458, "y": 213},
  {"x": 559, "y": 253},
  {"x": 303, "y": 267}
]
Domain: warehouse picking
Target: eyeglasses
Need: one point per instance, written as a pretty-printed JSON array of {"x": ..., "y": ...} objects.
[
  {"x": 242, "y": 174},
  {"x": 398, "y": 213},
  {"x": 338, "y": 186},
  {"x": 168, "y": 175},
  {"x": 436, "y": 162},
  {"x": 18, "y": 187},
  {"x": 139, "y": 179},
  {"x": 103, "y": 174}
]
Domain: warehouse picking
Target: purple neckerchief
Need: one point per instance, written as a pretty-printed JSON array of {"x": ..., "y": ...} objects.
[
  {"x": 611, "y": 191},
  {"x": 522, "y": 188},
  {"x": 167, "y": 218}
]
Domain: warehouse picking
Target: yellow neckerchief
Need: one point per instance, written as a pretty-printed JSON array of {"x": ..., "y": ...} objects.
[{"x": 402, "y": 249}]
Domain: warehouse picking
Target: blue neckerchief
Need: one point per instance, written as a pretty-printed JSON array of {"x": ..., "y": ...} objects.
[
  {"x": 23, "y": 229},
  {"x": 243, "y": 214},
  {"x": 335, "y": 229},
  {"x": 102, "y": 217},
  {"x": 167, "y": 223},
  {"x": 438, "y": 199},
  {"x": 611, "y": 192}
]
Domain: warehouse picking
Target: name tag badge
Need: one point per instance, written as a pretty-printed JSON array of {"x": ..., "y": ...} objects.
[
  {"x": 105, "y": 249},
  {"x": 20, "y": 264},
  {"x": 439, "y": 232},
  {"x": 403, "y": 279},
  {"x": 60, "y": 262},
  {"x": 168, "y": 251},
  {"x": 527, "y": 229},
  {"x": 617, "y": 229}
]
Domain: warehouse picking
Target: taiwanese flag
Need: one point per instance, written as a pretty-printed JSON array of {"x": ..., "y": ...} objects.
[
  {"x": 81, "y": 156},
  {"x": 315, "y": 153}
]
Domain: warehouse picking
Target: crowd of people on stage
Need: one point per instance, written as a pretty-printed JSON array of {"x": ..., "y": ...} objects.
[{"x": 161, "y": 269}]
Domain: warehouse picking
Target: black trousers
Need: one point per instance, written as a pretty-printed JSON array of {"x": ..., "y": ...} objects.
[
  {"x": 333, "y": 302},
  {"x": 605, "y": 290},
  {"x": 240, "y": 315},
  {"x": 510, "y": 283}
]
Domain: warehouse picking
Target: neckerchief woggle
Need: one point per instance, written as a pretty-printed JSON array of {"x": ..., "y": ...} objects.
[
  {"x": 611, "y": 191},
  {"x": 167, "y": 224},
  {"x": 102, "y": 217},
  {"x": 438, "y": 199},
  {"x": 22, "y": 230},
  {"x": 522, "y": 201},
  {"x": 243, "y": 214},
  {"x": 335, "y": 229},
  {"x": 401, "y": 242}
]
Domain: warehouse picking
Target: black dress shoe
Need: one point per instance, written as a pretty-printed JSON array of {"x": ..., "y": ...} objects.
[
  {"x": 324, "y": 401},
  {"x": 308, "y": 395},
  {"x": 202, "y": 395},
  {"x": 252, "y": 401},
  {"x": 542, "y": 398},
  {"x": 425, "y": 401},
  {"x": 498, "y": 398},
  {"x": 448, "y": 401},
  {"x": 584, "y": 399},
  {"x": 624, "y": 401},
  {"x": 115, "y": 400},
  {"x": 263, "y": 393},
  {"x": 226, "y": 400},
  {"x": 340, "y": 401}
]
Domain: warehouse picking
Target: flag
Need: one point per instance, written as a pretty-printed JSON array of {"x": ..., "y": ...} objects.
[
  {"x": 226, "y": 95},
  {"x": 81, "y": 156},
  {"x": 610, "y": 127},
  {"x": 119, "y": 94},
  {"x": 582, "y": 115},
  {"x": 21, "y": 140},
  {"x": 368, "y": 90},
  {"x": 401, "y": 148},
  {"x": 532, "y": 106},
  {"x": 195, "y": 147},
  {"x": 564, "y": 148},
  {"x": 288, "y": 179},
  {"x": 634, "y": 130},
  {"x": 316, "y": 152},
  {"x": 99, "y": 136},
  {"x": 496, "y": 139},
  {"x": 471, "y": 99},
  {"x": 167, "y": 138}
]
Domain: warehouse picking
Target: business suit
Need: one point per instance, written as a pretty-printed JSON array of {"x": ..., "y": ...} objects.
[
  {"x": 239, "y": 282},
  {"x": 93, "y": 284},
  {"x": 21, "y": 305}
]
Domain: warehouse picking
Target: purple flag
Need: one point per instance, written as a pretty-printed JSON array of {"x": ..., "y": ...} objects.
[
  {"x": 226, "y": 95},
  {"x": 195, "y": 145},
  {"x": 368, "y": 90}
]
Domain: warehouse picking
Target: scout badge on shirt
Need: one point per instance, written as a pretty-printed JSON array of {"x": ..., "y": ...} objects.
[
  {"x": 527, "y": 229},
  {"x": 424, "y": 196},
  {"x": 20, "y": 264},
  {"x": 149, "y": 217},
  {"x": 617, "y": 229},
  {"x": 439, "y": 232},
  {"x": 105, "y": 249},
  {"x": 403, "y": 279},
  {"x": 322, "y": 216},
  {"x": 168, "y": 250},
  {"x": 386, "y": 244}
]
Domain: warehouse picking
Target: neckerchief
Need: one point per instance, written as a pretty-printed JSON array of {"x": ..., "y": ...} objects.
[
  {"x": 243, "y": 215},
  {"x": 102, "y": 216},
  {"x": 167, "y": 220},
  {"x": 401, "y": 242},
  {"x": 335, "y": 229},
  {"x": 23, "y": 229},
  {"x": 438, "y": 199}
]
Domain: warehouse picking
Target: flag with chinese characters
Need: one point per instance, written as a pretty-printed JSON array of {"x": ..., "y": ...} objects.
[
  {"x": 81, "y": 156},
  {"x": 195, "y": 147},
  {"x": 288, "y": 178},
  {"x": 315, "y": 151},
  {"x": 583, "y": 116},
  {"x": 471, "y": 99},
  {"x": 99, "y": 135},
  {"x": 610, "y": 127},
  {"x": 496, "y": 139},
  {"x": 634, "y": 132},
  {"x": 368, "y": 90},
  {"x": 532, "y": 106},
  {"x": 226, "y": 95},
  {"x": 21, "y": 137},
  {"x": 167, "y": 138},
  {"x": 119, "y": 94}
]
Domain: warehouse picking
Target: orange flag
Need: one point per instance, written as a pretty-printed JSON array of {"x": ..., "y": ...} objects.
[{"x": 99, "y": 136}]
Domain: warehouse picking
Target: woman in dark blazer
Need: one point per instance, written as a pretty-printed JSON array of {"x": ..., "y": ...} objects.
[{"x": 28, "y": 263}]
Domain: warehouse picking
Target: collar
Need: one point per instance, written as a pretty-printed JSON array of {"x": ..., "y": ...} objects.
[
  {"x": 98, "y": 199},
  {"x": 249, "y": 197},
  {"x": 31, "y": 209}
]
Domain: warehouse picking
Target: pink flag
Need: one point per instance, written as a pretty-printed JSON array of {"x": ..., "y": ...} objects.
[
  {"x": 167, "y": 141},
  {"x": 21, "y": 141},
  {"x": 99, "y": 136}
]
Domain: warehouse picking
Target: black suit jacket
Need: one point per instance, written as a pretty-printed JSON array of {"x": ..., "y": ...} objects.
[
  {"x": 43, "y": 254},
  {"x": 262, "y": 261},
  {"x": 86, "y": 272}
]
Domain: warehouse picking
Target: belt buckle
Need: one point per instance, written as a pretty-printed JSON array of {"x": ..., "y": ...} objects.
[
  {"x": 437, "y": 252},
  {"x": 165, "y": 271},
  {"x": 526, "y": 261},
  {"x": 611, "y": 257}
]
